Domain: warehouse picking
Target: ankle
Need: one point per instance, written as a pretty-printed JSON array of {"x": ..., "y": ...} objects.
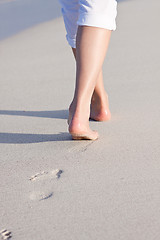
[
  {"x": 100, "y": 99},
  {"x": 79, "y": 109}
]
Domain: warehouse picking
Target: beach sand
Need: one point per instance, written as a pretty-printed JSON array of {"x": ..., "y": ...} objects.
[{"x": 54, "y": 188}]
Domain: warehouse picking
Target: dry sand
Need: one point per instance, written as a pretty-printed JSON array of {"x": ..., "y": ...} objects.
[{"x": 54, "y": 188}]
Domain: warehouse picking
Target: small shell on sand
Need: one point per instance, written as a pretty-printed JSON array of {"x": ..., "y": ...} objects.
[
  {"x": 52, "y": 174},
  {"x": 5, "y": 234}
]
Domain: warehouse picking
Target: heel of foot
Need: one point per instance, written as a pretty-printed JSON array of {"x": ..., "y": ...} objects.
[{"x": 101, "y": 116}]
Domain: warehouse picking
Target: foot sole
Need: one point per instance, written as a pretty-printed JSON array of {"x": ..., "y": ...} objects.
[{"x": 83, "y": 137}]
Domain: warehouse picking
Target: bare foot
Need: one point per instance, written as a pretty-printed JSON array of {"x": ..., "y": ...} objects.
[
  {"x": 79, "y": 126},
  {"x": 100, "y": 108}
]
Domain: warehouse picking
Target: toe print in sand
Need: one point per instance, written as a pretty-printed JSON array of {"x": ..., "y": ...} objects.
[
  {"x": 44, "y": 175},
  {"x": 5, "y": 234}
]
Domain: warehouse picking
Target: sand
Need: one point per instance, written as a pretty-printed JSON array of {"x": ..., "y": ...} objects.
[{"x": 54, "y": 188}]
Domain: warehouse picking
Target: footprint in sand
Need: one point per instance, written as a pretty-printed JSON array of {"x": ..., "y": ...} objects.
[
  {"x": 5, "y": 234},
  {"x": 43, "y": 184},
  {"x": 44, "y": 175}
]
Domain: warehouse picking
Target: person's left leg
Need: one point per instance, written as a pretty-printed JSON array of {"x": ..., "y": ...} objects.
[{"x": 99, "y": 103}]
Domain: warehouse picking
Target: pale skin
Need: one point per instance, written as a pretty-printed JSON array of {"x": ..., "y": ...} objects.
[{"x": 90, "y": 98}]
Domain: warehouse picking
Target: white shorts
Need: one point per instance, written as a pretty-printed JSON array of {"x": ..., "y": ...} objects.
[{"x": 96, "y": 13}]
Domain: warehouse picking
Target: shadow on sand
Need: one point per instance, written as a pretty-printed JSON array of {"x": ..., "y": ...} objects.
[
  {"x": 18, "y": 15},
  {"x": 58, "y": 114},
  {"x": 21, "y": 138}
]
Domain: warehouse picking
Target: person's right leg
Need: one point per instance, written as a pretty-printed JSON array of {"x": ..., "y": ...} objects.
[
  {"x": 99, "y": 103},
  {"x": 91, "y": 47}
]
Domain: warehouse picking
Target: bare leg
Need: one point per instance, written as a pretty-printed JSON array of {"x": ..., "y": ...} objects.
[
  {"x": 99, "y": 103},
  {"x": 92, "y": 44}
]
